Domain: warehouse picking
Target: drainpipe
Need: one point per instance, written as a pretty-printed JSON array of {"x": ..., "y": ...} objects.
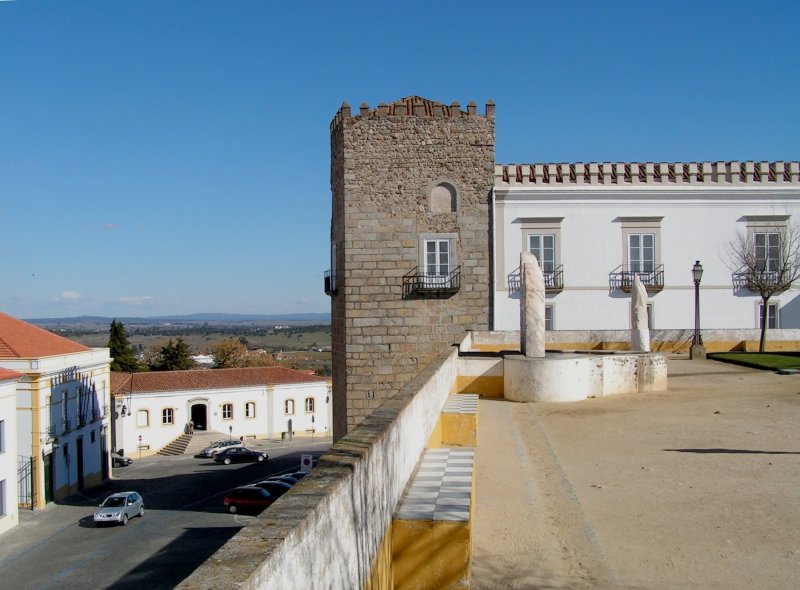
[{"x": 492, "y": 259}]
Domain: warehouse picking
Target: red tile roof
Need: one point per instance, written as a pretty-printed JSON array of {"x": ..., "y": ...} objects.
[
  {"x": 133, "y": 383},
  {"x": 20, "y": 339},
  {"x": 8, "y": 374}
]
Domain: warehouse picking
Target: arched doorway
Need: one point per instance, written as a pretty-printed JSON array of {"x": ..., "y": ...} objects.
[{"x": 199, "y": 415}]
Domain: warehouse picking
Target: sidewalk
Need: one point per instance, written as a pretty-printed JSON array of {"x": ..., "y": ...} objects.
[{"x": 695, "y": 487}]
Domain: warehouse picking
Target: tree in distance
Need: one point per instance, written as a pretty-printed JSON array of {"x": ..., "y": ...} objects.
[
  {"x": 173, "y": 356},
  {"x": 121, "y": 351},
  {"x": 232, "y": 353},
  {"x": 766, "y": 263}
]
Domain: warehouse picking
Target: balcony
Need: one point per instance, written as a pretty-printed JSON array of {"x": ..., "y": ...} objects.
[
  {"x": 772, "y": 281},
  {"x": 66, "y": 426},
  {"x": 421, "y": 284},
  {"x": 553, "y": 280},
  {"x": 330, "y": 283},
  {"x": 621, "y": 278}
]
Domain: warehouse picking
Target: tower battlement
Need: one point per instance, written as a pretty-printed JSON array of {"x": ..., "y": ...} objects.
[{"x": 413, "y": 106}]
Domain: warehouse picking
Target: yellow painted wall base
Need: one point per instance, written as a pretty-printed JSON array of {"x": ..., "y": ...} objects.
[
  {"x": 381, "y": 576},
  {"x": 491, "y": 386},
  {"x": 435, "y": 440},
  {"x": 459, "y": 430},
  {"x": 431, "y": 554}
]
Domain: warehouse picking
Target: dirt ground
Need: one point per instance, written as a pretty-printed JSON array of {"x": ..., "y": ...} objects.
[{"x": 695, "y": 487}]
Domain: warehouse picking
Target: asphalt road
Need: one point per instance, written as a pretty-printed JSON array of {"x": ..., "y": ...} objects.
[{"x": 184, "y": 524}]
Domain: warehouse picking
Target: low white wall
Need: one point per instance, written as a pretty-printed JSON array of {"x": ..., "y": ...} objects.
[{"x": 327, "y": 531}]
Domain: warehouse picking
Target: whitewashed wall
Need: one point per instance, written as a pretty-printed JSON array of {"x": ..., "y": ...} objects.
[
  {"x": 269, "y": 420},
  {"x": 9, "y": 516},
  {"x": 698, "y": 222}
]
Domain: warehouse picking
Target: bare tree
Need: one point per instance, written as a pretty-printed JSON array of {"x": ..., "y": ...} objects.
[{"x": 765, "y": 263}]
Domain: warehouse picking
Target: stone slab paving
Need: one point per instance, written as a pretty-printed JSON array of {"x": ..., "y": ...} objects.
[{"x": 441, "y": 489}]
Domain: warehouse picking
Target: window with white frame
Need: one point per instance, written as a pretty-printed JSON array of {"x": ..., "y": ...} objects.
[
  {"x": 437, "y": 259},
  {"x": 3, "y": 510},
  {"x": 250, "y": 410},
  {"x": 773, "y": 318},
  {"x": 143, "y": 418},
  {"x": 227, "y": 411},
  {"x": 767, "y": 245},
  {"x": 168, "y": 416},
  {"x": 549, "y": 317},
  {"x": 288, "y": 407},
  {"x": 2, "y": 436},
  {"x": 541, "y": 236},
  {"x": 641, "y": 252},
  {"x": 642, "y": 239},
  {"x": 309, "y": 405},
  {"x": 543, "y": 246}
]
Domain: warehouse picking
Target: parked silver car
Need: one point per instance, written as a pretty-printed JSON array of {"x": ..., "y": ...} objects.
[
  {"x": 220, "y": 445},
  {"x": 118, "y": 508}
]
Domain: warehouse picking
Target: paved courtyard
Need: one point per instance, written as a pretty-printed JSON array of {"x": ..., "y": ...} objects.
[{"x": 695, "y": 487}]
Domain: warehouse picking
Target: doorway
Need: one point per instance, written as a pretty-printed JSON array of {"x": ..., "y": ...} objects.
[
  {"x": 80, "y": 463},
  {"x": 199, "y": 415}
]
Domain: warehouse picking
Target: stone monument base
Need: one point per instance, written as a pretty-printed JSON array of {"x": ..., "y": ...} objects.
[{"x": 567, "y": 377}]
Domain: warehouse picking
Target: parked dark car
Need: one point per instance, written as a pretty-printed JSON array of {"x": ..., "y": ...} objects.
[
  {"x": 291, "y": 480},
  {"x": 248, "y": 499},
  {"x": 274, "y": 487},
  {"x": 217, "y": 446},
  {"x": 119, "y": 460},
  {"x": 298, "y": 475},
  {"x": 240, "y": 455}
]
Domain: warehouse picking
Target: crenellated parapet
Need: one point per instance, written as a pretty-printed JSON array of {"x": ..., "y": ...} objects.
[
  {"x": 413, "y": 106},
  {"x": 648, "y": 173}
]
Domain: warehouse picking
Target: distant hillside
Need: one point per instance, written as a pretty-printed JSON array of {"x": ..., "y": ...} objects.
[{"x": 216, "y": 318}]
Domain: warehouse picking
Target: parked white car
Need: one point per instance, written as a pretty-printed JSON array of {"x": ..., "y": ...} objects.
[{"x": 118, "y": 508}]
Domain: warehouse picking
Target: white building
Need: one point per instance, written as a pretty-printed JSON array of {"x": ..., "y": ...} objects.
[
  {"x": 153, "y": 409},
  {"x": 9, "y": 514},
  {"x": 62, "y": 410},
  {"x": 593, "y": 226}
]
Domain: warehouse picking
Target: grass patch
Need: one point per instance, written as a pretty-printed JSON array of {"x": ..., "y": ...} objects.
[{"x": 769, "y": 361}]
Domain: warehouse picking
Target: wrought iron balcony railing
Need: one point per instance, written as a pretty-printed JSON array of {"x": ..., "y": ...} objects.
[
  {"x": 330, "y": 283},
  {"x": 66, "y": 426},
  {"x": 758, "y": 280},
  {"x": 553, "y": 280},
  {"x": 622, "y": 278},
  {"x": 431, "y": 284}
]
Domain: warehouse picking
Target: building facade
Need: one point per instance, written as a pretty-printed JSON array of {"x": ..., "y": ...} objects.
[
  {"x": 153, "y": 409},
  {"x": 410, "y": 242},
  {"x": 426, "y": 234},
  {"x": 9, "y": 514},
  {"x": 594, "y": 226},
  {"x": 62, "y": 407}
]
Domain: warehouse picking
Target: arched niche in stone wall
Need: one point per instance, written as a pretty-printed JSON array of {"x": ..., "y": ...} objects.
[{"x": 444, "y": 198}]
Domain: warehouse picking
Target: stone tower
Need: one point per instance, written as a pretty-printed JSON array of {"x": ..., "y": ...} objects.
[{"x": 410, "y": 243}]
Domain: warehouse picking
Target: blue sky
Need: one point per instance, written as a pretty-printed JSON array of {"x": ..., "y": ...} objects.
[{"x": 172, "y": 156}]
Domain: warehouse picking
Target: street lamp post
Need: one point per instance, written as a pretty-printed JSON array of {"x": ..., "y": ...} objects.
[{"x": 697, "y": 351}]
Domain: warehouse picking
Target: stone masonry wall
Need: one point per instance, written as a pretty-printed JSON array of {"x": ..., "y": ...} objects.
[{"x": 385, "y": 163}]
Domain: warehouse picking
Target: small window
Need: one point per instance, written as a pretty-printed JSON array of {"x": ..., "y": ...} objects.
[
  {"x": 288, "y": 407},
  {"x": 143, "y": 418},
  {"x": 250, "y": 410},
  {"x": 772, "y": 316},
  {"x": 549, "y": 317},
  {"x": 2, "y": 497},
  {"x": 309, "y": 405},
  {"x": 167, "y": 416},
  {"x": 227, "y": 411},
  {"x": 93, "y": 436},
  {"x": 2, "y": 436}
]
